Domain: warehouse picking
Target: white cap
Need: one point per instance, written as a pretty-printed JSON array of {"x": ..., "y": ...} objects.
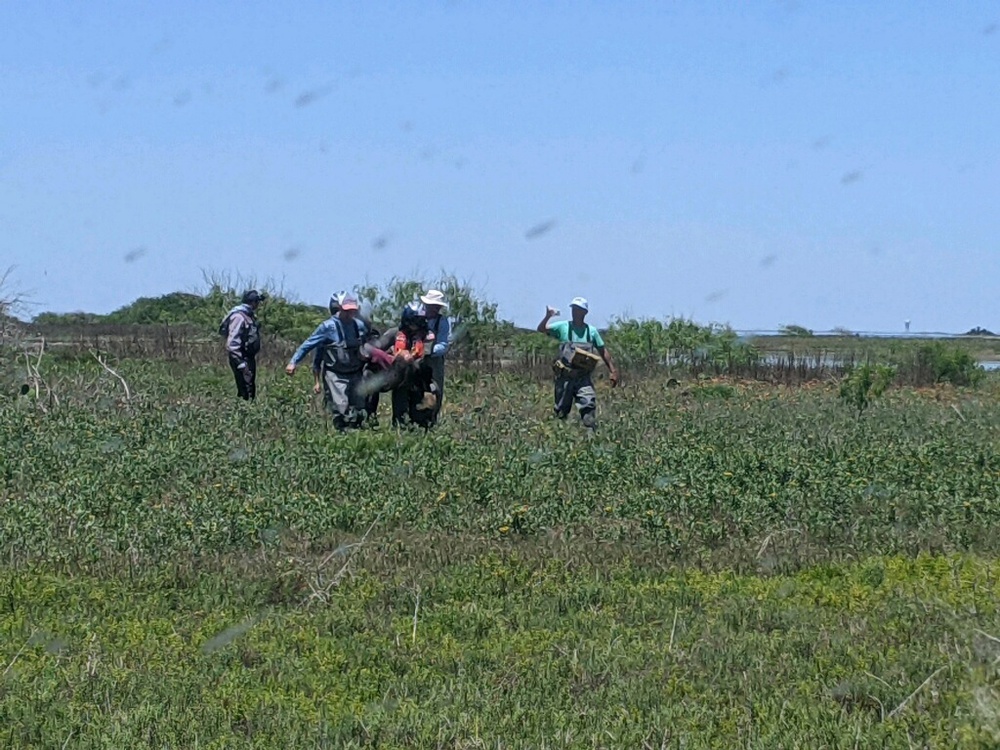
[
  {"x": 434, "y": 297},
  {"x": 581, "y": 303}
]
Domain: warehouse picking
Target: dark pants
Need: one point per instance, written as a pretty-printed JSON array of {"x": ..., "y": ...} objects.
[
  {"x": 246, "y": 378},
  {"x": 579, "y": 390},
  {"x": 409, "y": 403}
]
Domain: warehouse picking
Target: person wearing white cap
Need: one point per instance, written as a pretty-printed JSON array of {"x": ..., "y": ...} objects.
[
  {"x": 435, "y": 304},
  {"x": 341, "y": 337},
  {"x": 580, "y": 348}
]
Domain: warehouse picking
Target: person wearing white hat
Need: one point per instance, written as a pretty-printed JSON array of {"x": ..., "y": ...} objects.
[
  {"x": 580, "y": 348},
  {"x": 435, "y": 304}
]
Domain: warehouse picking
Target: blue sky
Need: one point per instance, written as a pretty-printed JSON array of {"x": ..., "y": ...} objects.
[{"x": 824, "y": 164}]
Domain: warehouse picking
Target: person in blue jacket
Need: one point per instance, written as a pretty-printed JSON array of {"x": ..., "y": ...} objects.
[
  {"x": 341, "y": 338},
  {"x": 438, "y": 324}
]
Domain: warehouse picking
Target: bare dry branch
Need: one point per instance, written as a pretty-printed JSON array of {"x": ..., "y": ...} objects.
[
  {"x": 320, "y": 588},
  {"x": 920, "y": 687},
  {"x": 102, "y": 363},
  {"x": 17, "y": 656}
]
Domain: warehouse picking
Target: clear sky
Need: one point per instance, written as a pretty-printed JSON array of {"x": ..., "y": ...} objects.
[{"x": 757, "y": 163}]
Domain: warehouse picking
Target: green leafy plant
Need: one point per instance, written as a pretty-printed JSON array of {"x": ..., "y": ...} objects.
[
  {"x": 865, "y": 383},
  {"x": 948, "y": 363}
]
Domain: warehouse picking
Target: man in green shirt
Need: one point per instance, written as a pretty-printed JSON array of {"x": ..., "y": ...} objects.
[{"x": 578, "y": 343}]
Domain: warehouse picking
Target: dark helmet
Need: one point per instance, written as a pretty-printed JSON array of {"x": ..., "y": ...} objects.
[
  {"x": 253, "y": 297},
  {"x": 414, "y": 316}
]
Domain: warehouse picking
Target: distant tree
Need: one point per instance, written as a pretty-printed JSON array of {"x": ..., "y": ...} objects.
[
  {"x": 977, "y": 331},
  {"x": 795, "y": 330},
  {"x": 284, "y": 317},
  {"x": 475, "y": 319}
]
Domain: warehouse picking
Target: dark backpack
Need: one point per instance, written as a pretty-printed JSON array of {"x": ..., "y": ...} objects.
[
  {"x": 345, "y": 357},
  {"x": 251, "y": 334}
]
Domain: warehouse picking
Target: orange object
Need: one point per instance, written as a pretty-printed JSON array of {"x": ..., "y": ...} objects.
[{"x": 401, "y": 343}]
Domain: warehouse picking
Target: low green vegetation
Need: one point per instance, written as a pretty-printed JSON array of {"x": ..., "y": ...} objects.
[
  {"x": 704, "y": 469},
  {"x": 726, "y": 564},
  {"x": 443, "y": 642}
]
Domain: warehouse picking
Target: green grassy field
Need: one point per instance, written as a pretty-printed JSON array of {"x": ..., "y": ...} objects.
[{"x": 724, "y": 565}]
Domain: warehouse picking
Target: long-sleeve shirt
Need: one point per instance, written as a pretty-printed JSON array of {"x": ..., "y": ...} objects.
[
  {"x": 440, "y": 326},
  {"x": 240, "y": 318},
  {"x": 328, "y": 333}
]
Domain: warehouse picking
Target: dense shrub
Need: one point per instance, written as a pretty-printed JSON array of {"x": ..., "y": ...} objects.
[
  {"x": 678, "y": 341},
  {"x": 940, "y": 362}
]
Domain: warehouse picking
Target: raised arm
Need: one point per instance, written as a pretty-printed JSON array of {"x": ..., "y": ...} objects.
[{"x": 543, "y": 327}]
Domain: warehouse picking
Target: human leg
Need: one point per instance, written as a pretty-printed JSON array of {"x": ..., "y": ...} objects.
[
  {"x": 586, "y": 403},
  {"x": 251, "y": 375},
  {"x": 563, "y": 396},
  {"x": 335, "y": 391},
  {"x": 240, "y": 377},
  {"x": 400, "y": 404}
]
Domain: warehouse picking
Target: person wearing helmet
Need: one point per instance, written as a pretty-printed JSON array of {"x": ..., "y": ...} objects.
[
  {"x": 438, "y": 323},
  {"x": 413, "y": 396},
  {"x": 580, "y": 348},
  {"x": 340, "y": 338},
  {"x": 317, "y": 366}
]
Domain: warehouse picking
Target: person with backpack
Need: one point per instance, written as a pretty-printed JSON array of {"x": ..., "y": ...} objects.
[
  {"x": 341, "y": 338},
  {"x": 241, "y": 331},
  {"x": 581, "y": 347},
  {"x": 438, "y": 324},
  {"x": 317, "y": 366}
]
